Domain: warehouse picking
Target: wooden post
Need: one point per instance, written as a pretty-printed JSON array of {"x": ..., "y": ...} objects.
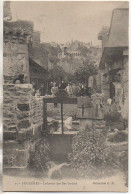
[
  {"x": 96, "y": 113},
  {"x": 83, "y": 110},
  {"x": 62, "y": 129},
  {"x": 44, "y": 115}
]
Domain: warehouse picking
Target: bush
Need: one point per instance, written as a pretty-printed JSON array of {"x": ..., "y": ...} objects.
[
  {"x": 39, "y": 158},
  {"x": 118, "y": 137},
  {"x": 89, "y": 151},
  {"x": 123, "y": 165},
  {"x": 112, "y": 117}
]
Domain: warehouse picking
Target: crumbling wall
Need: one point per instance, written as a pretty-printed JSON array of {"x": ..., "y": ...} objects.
[
  {"x": 22, "y": 123},
  {"x": 15, "y": 61}
]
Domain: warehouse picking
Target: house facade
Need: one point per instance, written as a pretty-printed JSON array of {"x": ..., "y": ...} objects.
[{"x": 114, "y": 61}]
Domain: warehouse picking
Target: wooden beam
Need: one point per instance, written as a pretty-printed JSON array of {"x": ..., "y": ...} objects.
[
  {"x": 65, "y": 100},
  {"x": 62, "y": 128}
]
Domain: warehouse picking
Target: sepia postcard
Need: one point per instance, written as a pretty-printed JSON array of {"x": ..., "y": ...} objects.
[{"x": 65, "y": 96}]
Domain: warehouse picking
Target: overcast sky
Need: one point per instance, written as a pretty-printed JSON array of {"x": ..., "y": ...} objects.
[{"x": 66, "y": 21}]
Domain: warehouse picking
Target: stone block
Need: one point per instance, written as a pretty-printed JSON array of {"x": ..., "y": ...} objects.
[
  {"x": 6, "y": 93},
  {"x": 13, "y": 144},
  {"x": 12, "y": 128},
  {"x": 8, "y": 100},
  {"x": 16, "y": 158},
  {"x": 24, "y": 134},
  {"x": 10, "y": 151},
  {"x": 23, "y": 115},
  {"x": 8, "y": 114},
  {"x": 24, "y": 124},
  {"x": 7, "y": 86},
  {"x": 23, "y": 100},
  {"x": 5, "y": 127},
  {"x": 9, "y": 122},
  {"x": 9, "y": 135},
  {"x": 23, "y": 107},
  {"x": 21, "y": 158}
]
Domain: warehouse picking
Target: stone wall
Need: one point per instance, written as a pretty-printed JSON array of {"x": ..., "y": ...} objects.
[
  {"x": 22, "y": 123},
  {"x": 15, "y": 61},
  {"x": 105, "y": 86},
  {"x": 121, "y": 88},
  {"x": 125, "y": 98}
]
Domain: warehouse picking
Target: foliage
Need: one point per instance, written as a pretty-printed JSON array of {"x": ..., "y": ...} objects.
[
  {"x": 118, "y": 137},
  {"x": 123, "y": 159},
  {"x": 53, "y": 59},
  {"x": 39, "y": 158},
  {"x": 85, "y": 71},
  {"x": 68, "y": 59},
  {"x": 57, "y": 74},
  {"x": 123, "y": 165},
  {"x": 89, "y": 151},
  {"x": 113, "y": 116},
  {"x": 84, "y": 50}
]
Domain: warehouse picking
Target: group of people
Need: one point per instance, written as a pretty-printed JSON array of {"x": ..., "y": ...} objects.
[
  {"x": 71, "y": 89},
  {"x": 38, "y": 92}
]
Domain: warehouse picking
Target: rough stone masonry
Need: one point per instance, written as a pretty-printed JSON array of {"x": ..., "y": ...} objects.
[{"x": 22, "y": 121}]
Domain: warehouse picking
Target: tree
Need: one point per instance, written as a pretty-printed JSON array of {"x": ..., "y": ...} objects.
[
  {"x": 57, "y": 73},
  {"x": 84, "y": 72},
  {"x": 53, "y": 59},
  {"x": 84, "y": 50}
]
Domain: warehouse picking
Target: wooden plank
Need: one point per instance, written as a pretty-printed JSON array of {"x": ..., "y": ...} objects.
[
  {"x": 65, "y": 100},
  {"x": 62, "y": 129}
]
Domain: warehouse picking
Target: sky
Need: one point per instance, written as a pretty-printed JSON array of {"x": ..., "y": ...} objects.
[{"x": 65, "y": 21}]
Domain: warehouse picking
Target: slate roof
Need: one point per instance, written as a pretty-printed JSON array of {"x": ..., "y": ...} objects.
[
  {"x": 39, "y": 55},
  {"x": 118, "y": 33}
]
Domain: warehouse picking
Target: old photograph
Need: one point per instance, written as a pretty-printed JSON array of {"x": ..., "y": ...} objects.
[{"x": 65, "y": 96}]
